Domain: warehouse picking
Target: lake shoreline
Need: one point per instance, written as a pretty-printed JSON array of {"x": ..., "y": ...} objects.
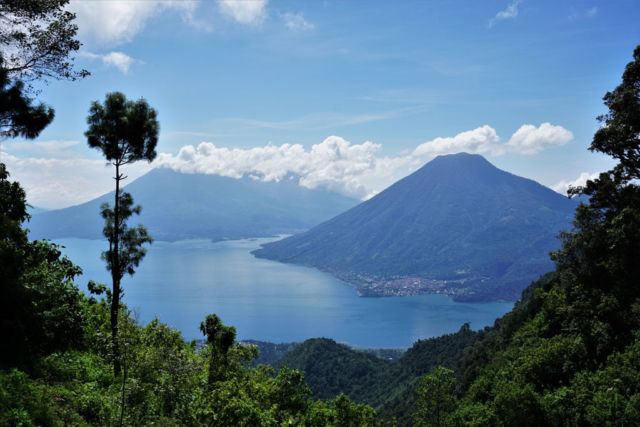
[{"x": 183, "y": 282}]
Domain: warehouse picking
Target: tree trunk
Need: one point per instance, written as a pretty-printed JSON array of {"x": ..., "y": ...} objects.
[
  {"x": 115, "y": 275},
  {"x": 124, "y": 382}
]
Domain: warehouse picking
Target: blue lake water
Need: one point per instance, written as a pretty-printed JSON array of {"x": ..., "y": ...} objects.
[{"x": 184, "y": 281}]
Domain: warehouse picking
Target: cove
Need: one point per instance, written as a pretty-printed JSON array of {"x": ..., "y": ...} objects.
[{"x": 181, "y": 282}]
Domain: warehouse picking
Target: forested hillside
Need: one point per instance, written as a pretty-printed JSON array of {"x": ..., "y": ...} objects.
[
  {"x": 269, "y": 352},
  {"x": 331, "y": 368}
]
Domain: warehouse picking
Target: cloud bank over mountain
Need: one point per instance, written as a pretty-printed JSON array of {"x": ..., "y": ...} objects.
[
  {"x": 484, "y": 140},
  {"x": 353, "y": 170},
  {"x": 65, "y": 181},
  {"x": 334, "y": 164}
]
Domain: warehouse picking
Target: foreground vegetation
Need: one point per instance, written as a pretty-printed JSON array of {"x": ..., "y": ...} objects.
[
  {"x": 567, "y": 355},
  {"x": 57, "y": 356},
  {"x": 68, "y": 358}
]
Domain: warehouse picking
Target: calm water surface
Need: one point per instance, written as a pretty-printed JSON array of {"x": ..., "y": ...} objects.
[{"x": 184, "y": 281}]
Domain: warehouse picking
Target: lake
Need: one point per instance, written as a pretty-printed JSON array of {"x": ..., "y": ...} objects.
[{"x": 182, "y": 282}]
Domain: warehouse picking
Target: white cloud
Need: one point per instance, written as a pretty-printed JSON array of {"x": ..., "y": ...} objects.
[
  {"x": 113, "y": 59},
  {"x": 480, "y": 140},
  {"x": 108, "y": 23},
  {"x": 563, "y": 186},
  {"x": 354, "y": 170},
  {"x": 296, "y": 21},
  {"x": 111, "y": 23},
  {"x": 58, "y": 182},
  {"x": 484, "y": 140},
  {"x": 251, "y": 12},
  {"x": 531, "y": 140},
  {"x": 592, "y": 12},
  {"x": 194, "y": 17},
  {"x": 510, "y": 12},
  {"x": 334, "y": 164}
]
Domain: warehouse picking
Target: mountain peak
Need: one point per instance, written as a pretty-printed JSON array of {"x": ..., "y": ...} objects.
[
  {"x": 461, "y": 160},
  {"x": 461, "y": 155},
  {"x": 457, "y": 219}
]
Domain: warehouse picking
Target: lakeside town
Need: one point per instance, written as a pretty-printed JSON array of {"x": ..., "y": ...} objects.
[{"x": 403, "y": 286}]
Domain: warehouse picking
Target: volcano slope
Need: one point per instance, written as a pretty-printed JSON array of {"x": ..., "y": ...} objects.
[{"x": 458, "y": 226}]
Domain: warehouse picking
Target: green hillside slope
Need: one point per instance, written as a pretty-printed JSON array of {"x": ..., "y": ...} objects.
[{"x": 331, "y": 368}]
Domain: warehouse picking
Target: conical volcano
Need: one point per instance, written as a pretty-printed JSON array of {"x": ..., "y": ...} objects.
[{"x": 458, "y": 225}]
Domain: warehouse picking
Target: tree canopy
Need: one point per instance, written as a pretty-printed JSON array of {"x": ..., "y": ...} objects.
[
  {"x": 129, "y": 251},
  {"x": 619, "y": 136},
  {"x": 40, "y": 306},
  {"x": 19, "y": 117},
  {"x": 124, "y": 131},
  {"x": 38, "y": 38},
  {"x": 436, "y": 400}
]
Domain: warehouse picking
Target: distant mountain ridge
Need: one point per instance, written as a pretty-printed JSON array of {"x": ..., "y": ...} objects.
[
  {"x": 185, "y": 206},
  {"x": 458, "y": 225},
  {"x": 33, "y": 210}
]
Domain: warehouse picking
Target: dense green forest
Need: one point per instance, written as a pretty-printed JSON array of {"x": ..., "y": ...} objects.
[
  {"x": 568, "y": 354},
  {"x": 269, "y": 352}
]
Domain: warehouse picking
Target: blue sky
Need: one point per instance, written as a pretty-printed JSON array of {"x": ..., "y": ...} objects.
[{"x": 381, "y": 78}]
